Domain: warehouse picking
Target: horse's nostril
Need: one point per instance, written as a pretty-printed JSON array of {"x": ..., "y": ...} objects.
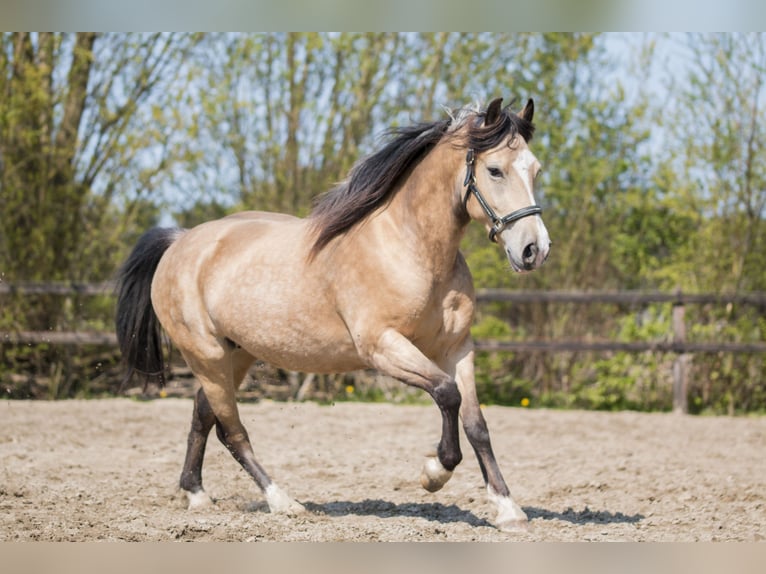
[
  {"x": 547, "y": 252},
  {"x": 530, "y": 252}
]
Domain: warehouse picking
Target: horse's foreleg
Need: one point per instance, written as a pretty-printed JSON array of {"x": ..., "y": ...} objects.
[
  {"x": 510, "y": 516},
  {"x": 396, "y": 356},
  {"x": 203, "y": 420}
]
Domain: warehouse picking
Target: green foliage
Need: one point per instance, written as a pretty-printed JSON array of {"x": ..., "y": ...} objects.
[
  {"x": 498, "y": 379},
  {"x": 85, "y": 139},
  {"x": 46, "y": 371},
  {"x": 723, "y": 382},
  {"x": 201, "y": 212},
  {"x": 716, "y": 175},
  {"x": 639, "y": 381}
]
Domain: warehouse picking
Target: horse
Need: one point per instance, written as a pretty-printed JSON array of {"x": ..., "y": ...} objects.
[{"x": 373, "y": 278}]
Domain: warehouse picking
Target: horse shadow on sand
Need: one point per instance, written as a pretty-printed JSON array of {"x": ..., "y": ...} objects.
[
  {"x": 584, "y": 516},
  {"x": 442, "y": 513},
  {"x": 433, "y": 511}
]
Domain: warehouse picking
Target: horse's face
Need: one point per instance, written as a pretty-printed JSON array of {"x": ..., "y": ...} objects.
[{"x": 505, "y": 176}]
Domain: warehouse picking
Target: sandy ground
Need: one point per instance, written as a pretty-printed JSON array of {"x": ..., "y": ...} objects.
[{"x": 107, "y": 470}]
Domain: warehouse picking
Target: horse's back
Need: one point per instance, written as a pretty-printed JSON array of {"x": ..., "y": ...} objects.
[
  {"x": 230, "y": 245},
  {"x": 258, "y": 216}
]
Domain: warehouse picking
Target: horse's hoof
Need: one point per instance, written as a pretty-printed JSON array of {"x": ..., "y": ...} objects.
[
  {"x": 281, "y": 503},
  {"x": 434, "y": 475},
  {"x": 198, "y": 500},
  {"x": 293, "y": 508},
  {"x": 510, "y": 516},
  {"x": 513, "y": 526}
]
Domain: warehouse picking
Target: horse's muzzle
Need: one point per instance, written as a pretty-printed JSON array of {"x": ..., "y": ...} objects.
[{"x": 532, "y": 256}]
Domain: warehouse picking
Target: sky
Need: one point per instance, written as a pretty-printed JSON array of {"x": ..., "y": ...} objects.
[{"x": 358, "y": 15}]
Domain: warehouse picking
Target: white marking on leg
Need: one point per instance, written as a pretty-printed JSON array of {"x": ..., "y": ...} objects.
[
  {"x": 198, "y": 500},
  {"x": 280, "y": 502},
  {"x": 510, "y": 516}
]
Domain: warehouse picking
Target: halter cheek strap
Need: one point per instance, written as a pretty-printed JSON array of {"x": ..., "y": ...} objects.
[{"x": 498, "y": 223}]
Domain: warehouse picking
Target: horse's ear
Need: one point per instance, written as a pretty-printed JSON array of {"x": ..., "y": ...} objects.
[
  {"x": 529, "y": 110},
  {"x": 493, "y": 112}
]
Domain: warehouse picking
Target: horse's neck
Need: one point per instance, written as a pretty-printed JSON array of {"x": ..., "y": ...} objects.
[{"x": 424, "y": 211}]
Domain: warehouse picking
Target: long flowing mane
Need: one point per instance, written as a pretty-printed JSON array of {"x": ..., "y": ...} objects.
[{"x": 373, "y": 179}]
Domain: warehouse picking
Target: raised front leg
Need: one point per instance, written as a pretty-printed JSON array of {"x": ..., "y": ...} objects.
[
  {"x": 510, "y": 516},
  {"x": 396, "y": 356}
]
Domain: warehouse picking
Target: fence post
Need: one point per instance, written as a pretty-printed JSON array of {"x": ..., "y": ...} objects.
[{"x": 680, "y": 370}]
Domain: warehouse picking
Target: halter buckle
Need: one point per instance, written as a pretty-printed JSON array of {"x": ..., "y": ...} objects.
[{"x": 470, "y": 157}]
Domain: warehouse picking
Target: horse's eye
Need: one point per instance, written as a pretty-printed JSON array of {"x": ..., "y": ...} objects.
[{"x": 495, "y": 172}]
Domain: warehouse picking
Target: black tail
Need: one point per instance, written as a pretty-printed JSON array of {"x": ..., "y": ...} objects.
[{"x": 139, "y": 332}]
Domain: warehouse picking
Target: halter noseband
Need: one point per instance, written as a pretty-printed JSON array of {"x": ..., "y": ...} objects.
[{"x": 498, "y": 223}]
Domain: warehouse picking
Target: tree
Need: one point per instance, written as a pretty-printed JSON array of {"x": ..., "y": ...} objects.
[
  {"x": 275, "y": 108},
  {"x": 717, "y": 166},
  {"x": 610, "y": 225},
  {"x": 86, "y": 133},
  {"x": 285, "y": 116},
  {"x": 714, "y": 175}
]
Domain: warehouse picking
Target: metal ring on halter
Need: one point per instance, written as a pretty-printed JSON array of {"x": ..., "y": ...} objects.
[
  {"x": 498, "y": 223},
  {"x": 503, "y": 222}
]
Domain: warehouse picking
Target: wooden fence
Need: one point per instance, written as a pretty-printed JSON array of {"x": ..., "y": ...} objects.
[{"x": 676, "y": 342}]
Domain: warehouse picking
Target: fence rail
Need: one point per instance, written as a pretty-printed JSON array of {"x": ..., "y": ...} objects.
[
  {"x": 56, "y": 288},
  {"x": 632, "y": 346},
  {"x": 58, "y": 338},
  {"x": 675, "y": 342},
  {"x": 679, "y": 299},
  {"x": 620, "y": 297},
  {"x": 75, "y": 338}
]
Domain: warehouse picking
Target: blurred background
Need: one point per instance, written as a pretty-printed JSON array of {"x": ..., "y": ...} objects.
[{"x": 654, "y": 182}]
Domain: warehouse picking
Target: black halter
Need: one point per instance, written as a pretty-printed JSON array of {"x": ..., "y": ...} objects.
[{"x": 498, "y": 223}]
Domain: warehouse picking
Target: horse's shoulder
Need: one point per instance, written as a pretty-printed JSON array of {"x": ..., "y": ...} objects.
[{"x": 462, "y": 279}]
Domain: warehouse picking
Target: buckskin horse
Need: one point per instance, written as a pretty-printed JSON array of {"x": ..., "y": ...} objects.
[{"x": 372, "y": 278}]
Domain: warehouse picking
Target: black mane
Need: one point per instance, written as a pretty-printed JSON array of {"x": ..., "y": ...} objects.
[{"x": 372, "y": 180}]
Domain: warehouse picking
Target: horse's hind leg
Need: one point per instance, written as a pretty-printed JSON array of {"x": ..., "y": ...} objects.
[
  {"x": 203, "y": 420},
  {"x": 219, "y": 380},
  {"x": 236, "y": 440}
]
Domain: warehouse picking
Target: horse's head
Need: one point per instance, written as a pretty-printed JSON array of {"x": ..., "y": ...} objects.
[{"x": 499, "y": 183}]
